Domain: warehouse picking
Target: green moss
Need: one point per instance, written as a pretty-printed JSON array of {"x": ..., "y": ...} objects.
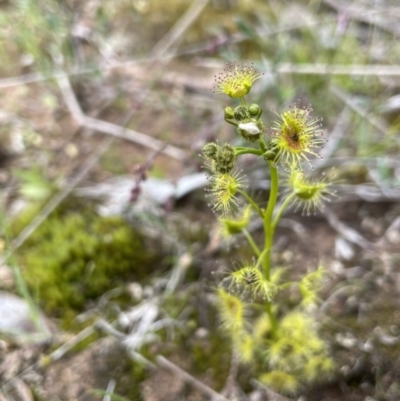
[{"x": 76, "y": 256}]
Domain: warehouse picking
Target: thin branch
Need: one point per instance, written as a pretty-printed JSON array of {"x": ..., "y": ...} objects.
[
  {"x": 165, "y": 363},
  {"x": 342, "y": 291},
  {"x": 110, "y": 128},
  {"x": 134, "y": 136}
]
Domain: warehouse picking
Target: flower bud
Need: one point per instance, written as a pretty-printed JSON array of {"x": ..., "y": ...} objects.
[
  {"x": 210, "y": 150},
  {"x": 225, "y": 159},
  {"x": 241, "y": 113},
  {"x": 271, "y": 153},
  {"x": 255, "y": 110},
  {"x": 228, "y": 113}
]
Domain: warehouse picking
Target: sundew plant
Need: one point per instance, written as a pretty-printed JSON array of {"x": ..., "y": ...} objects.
[{"x": 264, "y": 332}]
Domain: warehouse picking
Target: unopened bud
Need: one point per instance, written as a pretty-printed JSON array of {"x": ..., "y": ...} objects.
[
  {"x": 255, "y": 110},
  {"x": 210, "y": 150},
  {"x": 271, "y": 154},
  {"x": 241, "y": 113},
  {"x": 225, "y": 159},
  {"x": 228, "y": 113}
]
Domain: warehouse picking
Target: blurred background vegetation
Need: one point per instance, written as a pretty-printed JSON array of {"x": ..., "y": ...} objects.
[{"x": 86, "y": 239}]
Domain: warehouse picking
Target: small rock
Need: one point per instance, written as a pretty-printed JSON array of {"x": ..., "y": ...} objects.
[
  {"x": 372, "y": 225},
  {"x": 16, "y": 317},
  {"x": 343, "y": 250},
  {"x": 3, "y": 345},
  {"x": 71, "y": 150},
  {"x": 393, "y": 237},
  {"x": 135, "y": 291},
  {"x": 4, "y": 176},
  {"x": 201, "y": 333},
  {"x": 346, "y": 340}
]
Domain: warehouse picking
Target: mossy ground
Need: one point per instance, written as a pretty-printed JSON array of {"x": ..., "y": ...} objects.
[{"x": 76, "y": 256}]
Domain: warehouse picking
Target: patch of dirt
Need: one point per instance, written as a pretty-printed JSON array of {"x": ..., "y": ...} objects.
[{"x": 77, "y": 376}]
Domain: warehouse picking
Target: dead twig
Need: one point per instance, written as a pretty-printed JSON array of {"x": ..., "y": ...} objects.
[
  {"x": 346, "y": 232},
  {"x": 166, "y": 364},
  {"x": 134, "y": 136},
  {"x": 110, "y": 128},
  {"x": 342, "y": 291},
  {"x": 162, "y": 362}
]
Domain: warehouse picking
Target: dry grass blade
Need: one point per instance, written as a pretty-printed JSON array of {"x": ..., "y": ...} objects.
[
  {"x": 110, "y": 390},
  {"x": 336, "y": 69},
  {"x": 349, "y": 101},
  {"x": 371, "y": 17},
  {"x": 178, "y": 29},
  {"x": 334, "y": 138}
]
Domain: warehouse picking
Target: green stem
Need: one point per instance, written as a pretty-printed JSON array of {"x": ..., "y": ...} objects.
[
  {"x": 243, "y": 101},
  {"x": 274, "y": 324},
  {"x": 251, "y": 241},
  {"x": 268, "y": 228},
  {"x": 262, "y": 145},
  {"x": 231, "y": 122},
  {"x": 285, "y": 204},
  {"x": 261, "y": 258},
  {"x": 244, "y": 151},
  {"x": 269, "y": 236},
  {"x": 252, "y": 203}
]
